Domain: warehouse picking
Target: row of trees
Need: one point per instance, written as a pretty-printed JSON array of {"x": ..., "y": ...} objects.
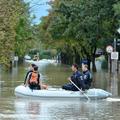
[
  {"x": 78, "y": 27},
  {"x": 16, "y": 34}
]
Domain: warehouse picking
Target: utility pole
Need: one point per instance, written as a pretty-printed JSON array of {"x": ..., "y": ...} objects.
[
  {"x": 114, "y": 61},
  {"x": 115, "y": 44}
]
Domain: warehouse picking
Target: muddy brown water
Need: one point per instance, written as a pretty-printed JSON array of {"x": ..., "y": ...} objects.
[{"x": 14, "y": 108}]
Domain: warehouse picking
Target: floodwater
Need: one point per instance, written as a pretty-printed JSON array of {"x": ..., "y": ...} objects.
[{"x": 14, "y": 108}]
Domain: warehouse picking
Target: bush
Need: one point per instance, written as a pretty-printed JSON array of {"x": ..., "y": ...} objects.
[{"x": 43, "y": 54}]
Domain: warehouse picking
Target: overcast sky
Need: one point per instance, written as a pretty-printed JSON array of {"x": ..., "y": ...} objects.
[{"x": 38, "y": 8}]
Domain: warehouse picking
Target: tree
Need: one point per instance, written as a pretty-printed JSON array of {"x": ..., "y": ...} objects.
[
  {"x": 8, "y": 22},
  {"x": 15, "y": 29},
  {"x": 24, "y": 38},
  {"x": 84, "y": 25}
]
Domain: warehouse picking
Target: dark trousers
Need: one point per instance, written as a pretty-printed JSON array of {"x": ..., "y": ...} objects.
[
  {"x": 69, "y": 86},
  {"x": 83, "y": 86},
  {"x": 34, "y": 86}
]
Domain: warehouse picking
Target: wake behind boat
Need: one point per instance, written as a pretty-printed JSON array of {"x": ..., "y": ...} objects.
[{"x": 55, "y": 93}]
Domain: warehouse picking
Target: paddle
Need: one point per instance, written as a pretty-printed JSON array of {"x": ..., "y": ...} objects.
[{"x": 80, "y": 90}]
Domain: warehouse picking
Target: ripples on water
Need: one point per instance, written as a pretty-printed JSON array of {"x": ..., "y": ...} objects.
[
  {"x": 14, "y": 108},
  {"x": 19, "y": 109}
]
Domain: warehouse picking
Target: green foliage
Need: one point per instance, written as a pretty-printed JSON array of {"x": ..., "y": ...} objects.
[
  {"x": 117, "y": 8},
  {"x": 15, "y": 29},
  {"x": 83, "y": 25},
  {"x": 86, "y": 21},
  {"x": 23, "y": 36},
  {"x": 75, "y": 27},
  {"x": 8, "y": 21},
  {"x": 43, "y": 54}
]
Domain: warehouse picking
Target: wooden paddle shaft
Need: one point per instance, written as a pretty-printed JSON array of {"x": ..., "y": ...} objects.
[{"x": 79, "y": 89}]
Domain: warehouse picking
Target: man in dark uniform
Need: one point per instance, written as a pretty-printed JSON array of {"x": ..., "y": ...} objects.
[
  {"x": 74, "y": 78},
  {"x": 85, "y": 79}
]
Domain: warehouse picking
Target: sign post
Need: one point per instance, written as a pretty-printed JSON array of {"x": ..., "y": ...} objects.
[
  {"x": 114, "y": 55},
  {"x": 109, "y": 50},
  {"x": 114, "y": 58},
  {"x": 16, "y": 61}
]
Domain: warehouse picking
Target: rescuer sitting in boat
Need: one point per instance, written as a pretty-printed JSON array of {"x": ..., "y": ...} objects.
[
  {"x": 30, "y": 70},
  {"x": 34, "y": 81},
  {"x": 81, "y": 80},
  {"x": 75, "y": 78},
  {"x": 85, "y": 79}
]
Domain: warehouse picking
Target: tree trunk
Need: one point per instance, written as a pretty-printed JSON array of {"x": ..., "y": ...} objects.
[
  {"x": 89, "y": 61},
  {"x": 93, "y": 61},
  {"x": 93, "y": 65}
]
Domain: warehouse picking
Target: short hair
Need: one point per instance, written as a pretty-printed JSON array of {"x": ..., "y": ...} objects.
[
  {"x": 75, "y": 65},
  {"x": 33, "y": 65},
  {"x": 85, "y": 62},
  {"x": 35, "y": 68},
  {"x": 86, "y": 65}
]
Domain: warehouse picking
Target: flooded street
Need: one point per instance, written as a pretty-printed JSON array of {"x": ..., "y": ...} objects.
[{"x": 14, "y": 108}]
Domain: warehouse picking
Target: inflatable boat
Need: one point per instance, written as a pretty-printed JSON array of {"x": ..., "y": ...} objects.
[{"x": 58, "y": 93}]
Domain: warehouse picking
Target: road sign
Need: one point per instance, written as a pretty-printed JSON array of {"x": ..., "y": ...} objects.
[
  {"x": 114, "y": 55},
  {"x": 109, "y": 49},
  {"x": 15, "y": 58}
]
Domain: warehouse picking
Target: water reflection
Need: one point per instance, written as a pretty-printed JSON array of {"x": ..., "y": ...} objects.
[
  {"x": 65, "y": 110},
  {"x": 34, "y": 109}
]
